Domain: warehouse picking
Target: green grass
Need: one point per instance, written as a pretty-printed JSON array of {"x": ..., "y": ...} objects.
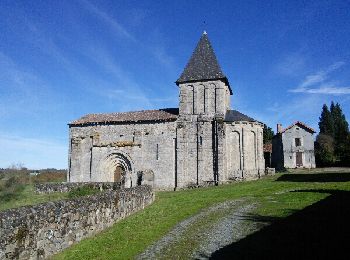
[
  {"x": 27, "y": 196},
  {"x": 16, "y": 187},
  {"x": 131, "y": 236}
]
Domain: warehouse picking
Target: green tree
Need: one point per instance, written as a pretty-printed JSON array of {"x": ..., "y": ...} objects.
[
  {"x": 332, "y": 144},
  {"x": 341, "y": 133},
  {"x": 346, "y": 155},
  {"x": 341, "y": 126},
  {"x": 324, "y": 150},
  {"x": 267, "y": 134},
  {"x": 326, "y": 122}
]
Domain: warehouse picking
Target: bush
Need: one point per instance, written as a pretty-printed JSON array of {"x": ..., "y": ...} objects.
[
  {"x": 82, "y": 191},
  {"x": 50, "y": 176},
  {"x": 12, "y": 188}
]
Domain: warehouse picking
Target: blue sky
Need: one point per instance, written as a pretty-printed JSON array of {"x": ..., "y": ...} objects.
[{"x": 62, "y": 59}]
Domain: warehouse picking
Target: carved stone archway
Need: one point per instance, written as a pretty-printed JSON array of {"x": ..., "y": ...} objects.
[{"x": 118, "y": 168}]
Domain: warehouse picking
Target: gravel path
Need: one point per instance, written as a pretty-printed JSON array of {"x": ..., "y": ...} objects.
[{"x": 202, "y": 234}]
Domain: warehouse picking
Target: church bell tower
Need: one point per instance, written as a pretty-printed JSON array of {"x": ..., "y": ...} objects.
[{"x": 203, "y": 101}]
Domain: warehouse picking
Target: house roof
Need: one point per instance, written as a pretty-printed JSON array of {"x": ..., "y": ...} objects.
[
  {"x": 234, "y": 115},
  {"x": 203, "y": 65},
  {"x": 166, "y": 114},
  {"x": 301, "y": 124}
]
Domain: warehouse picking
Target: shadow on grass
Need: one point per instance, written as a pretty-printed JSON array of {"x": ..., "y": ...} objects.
[
  {"x": 316, "y": 177},
  {"x": 319, "y": 231}
]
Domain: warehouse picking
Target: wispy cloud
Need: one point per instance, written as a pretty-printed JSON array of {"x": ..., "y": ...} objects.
[
  {"x": 329, "y": 89},
  {"x": 124, "y": 87},
  {"x": 319, "y": 83},
  {"x": 22, "y": 91},
  {"x": 305, "y": 108},
  {"x": 162, "y": 56},
  {"x": 32, "y": 152},
  {"x": 112, "y": 22},
  {"x": 157, "y": 51},
  {"x": 290, "y": 65}
]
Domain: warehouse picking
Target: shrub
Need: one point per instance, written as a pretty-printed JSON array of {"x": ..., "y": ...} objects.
[
  {"x": 11, "y": 188},
  {"x": 82, "y": 191},
  {"x": 50, "y": 176}
]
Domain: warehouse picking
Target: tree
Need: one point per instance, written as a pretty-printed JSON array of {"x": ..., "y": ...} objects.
[
  {"x": 326, "y": 122},
  {"x": 346, "y": 156},
  {"x": 332, "y": 144},
  {"x": 324, "y": 150},
  {"x": 267, "y": 134},
  {"x": 341, "y": 126}
]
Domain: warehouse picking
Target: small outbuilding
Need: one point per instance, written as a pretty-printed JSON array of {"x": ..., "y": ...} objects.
[{"x": 293, "y": 147}]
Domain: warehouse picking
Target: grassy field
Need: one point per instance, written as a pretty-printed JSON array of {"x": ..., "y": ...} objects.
[
  {"x": 17, "y": 188},
  {"x": 279, "y": 198},
  {"x": 27, "y": 196}
]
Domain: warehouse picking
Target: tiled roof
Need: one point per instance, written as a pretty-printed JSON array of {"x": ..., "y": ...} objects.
[
  {"x": 203, "y": 64},
  {"x": 301, "y": 124},
  {"x": 167, "y": 114},
  {"x": 234, "y": 115}
]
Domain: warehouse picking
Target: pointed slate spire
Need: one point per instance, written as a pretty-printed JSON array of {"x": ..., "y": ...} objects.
[{"x": 203, "y": 64}]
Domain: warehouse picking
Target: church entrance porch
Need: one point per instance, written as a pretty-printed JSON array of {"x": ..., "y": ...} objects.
[{"x": 118, "y": 169}]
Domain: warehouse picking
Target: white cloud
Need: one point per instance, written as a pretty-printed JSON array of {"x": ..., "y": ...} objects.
[
  {"x": 22, "y": 91},
  {"x": 306, "y": 108},
  {"x": 291, "y": 65},
  {"x": 117, "y": 27},
  {"x": 328, "y": 89},
  {"x": 318, "y": 83},
  {"x": 162, "y": 57},
  {"x": 34, "y": 153}
]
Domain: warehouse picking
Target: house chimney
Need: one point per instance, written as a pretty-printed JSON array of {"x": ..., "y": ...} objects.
[{"x": 279, "y": 128}]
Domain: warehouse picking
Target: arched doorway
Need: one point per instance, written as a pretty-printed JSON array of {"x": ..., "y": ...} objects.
[
  {"x": 119, "y": 174},
  {"x": 118, "y": 167}
]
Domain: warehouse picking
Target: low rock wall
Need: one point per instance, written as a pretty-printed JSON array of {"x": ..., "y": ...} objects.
[
  {"x": 270, "y": 171},
  {"x": 68, "y": 186},
  {"x": 35, "y": 232}
]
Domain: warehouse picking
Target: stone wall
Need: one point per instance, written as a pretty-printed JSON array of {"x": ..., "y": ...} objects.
[
  {"x": 96, "y": 151},
  {"x": 39, "y": 231},
  {"x": 243, "y": 154},
  {"x": 69, "y": 186}
]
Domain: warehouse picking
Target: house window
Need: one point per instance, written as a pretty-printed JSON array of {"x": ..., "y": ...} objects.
[
  {"x": 297, "y": 142},
  {"x": 157, "y": 152}
]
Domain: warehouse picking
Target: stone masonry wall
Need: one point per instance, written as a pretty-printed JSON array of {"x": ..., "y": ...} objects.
[
  {"x": 69, "y": 186},
  {"x": 35, "y": 232},
  {"x": 97, "y": 150},
  {"x": 244, "y": 151}
]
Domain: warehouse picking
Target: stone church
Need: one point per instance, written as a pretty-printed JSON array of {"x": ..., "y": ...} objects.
[{"x": 203, "y": 142}]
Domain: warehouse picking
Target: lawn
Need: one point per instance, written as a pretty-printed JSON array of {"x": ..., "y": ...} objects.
[
  {"x": 26, "y": 196},
  {"x": 17, "y": 189},
  {"x": 278, "y": 198}
]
